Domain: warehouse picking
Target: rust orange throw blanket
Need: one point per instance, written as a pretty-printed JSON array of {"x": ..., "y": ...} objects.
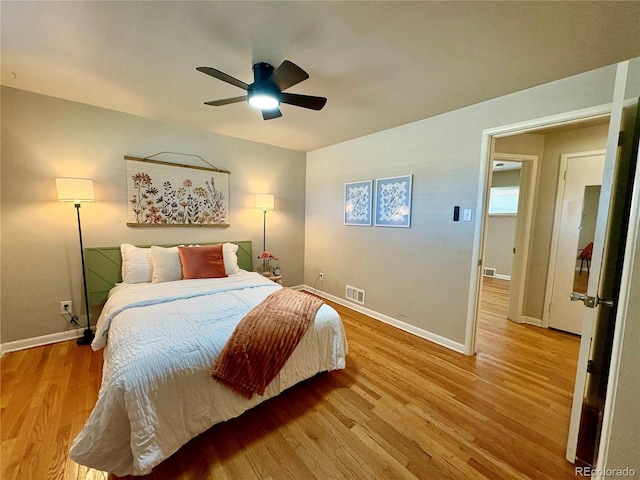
[{"x": 263, "y": 341}]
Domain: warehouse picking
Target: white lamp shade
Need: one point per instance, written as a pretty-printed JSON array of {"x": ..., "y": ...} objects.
[
  {"x": 264, "y": 202},
  {"x": 75, "y": 190}
]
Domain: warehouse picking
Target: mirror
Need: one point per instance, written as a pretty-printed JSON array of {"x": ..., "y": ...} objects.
[{"x": 585, "y": 239}]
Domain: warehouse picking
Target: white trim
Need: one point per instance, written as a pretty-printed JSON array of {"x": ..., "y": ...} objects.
[
  {"x": 565, "y": 118},
  {"x": 555, "y": 235},
  {"x": 500, "y": 276},
  {"x": 432, "y": 337},
  {"x": 473, "y": 300},
  {"x": 531, "y": 321},
  {"x": 486, "y": 153},
  {"x": 39, "y": 341}
]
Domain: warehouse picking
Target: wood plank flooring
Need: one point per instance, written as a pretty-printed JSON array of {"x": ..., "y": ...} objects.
[{"x": 403, "y": 408}]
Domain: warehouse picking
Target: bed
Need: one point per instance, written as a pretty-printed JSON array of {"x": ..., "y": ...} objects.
[{"x": 160, "y": 341}]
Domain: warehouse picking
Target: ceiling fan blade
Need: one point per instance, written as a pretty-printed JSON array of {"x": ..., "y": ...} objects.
[
  {"x": 223, "y": 76},
  {"x": 304, "y": 101},
  {"x": 226, "y": 101},
  {"x": 288, "y": 74},
  {"x": 270, "y": 114}
]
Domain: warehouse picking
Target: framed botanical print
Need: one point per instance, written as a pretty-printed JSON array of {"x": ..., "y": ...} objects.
[
  {"x": 393, "y": 201},
  {"x": 358, "y": 198}
]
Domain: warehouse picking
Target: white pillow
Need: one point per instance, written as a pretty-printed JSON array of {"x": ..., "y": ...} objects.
[
  {"x": 136, "y": 264},
  {"x": 230, "y": 258},
  {"x": 166, "y": 264}
]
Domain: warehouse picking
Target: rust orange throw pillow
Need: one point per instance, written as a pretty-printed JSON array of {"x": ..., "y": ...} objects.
[{"x": 202, "y": 262}]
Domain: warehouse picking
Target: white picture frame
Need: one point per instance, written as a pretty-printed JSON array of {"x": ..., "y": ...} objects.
[
  {"x": 393, "y": 201},
  {"x": 358, "y": 201}
]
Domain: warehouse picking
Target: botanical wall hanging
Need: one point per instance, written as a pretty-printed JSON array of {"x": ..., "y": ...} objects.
[
  {"x": 357, "y": 203},
  {"x": 393, "y": 201},
  {"x": 162, "y": 194}
]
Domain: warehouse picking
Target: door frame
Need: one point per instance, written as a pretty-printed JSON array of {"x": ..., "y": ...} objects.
[
  {"x": 482, "y": 205},
  {"x": 524, "y": 218},
  {"x": 555, "y": 236}
]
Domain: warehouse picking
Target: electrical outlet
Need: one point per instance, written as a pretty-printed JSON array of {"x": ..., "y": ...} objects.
[
  {"x": 68, "y": 304},
  {"x": 321, "y": 276}
]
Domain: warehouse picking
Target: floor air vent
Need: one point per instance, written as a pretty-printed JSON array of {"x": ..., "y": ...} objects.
[
  {"x": 354, "y": 294},
  {"x": 489, "y": 272}
]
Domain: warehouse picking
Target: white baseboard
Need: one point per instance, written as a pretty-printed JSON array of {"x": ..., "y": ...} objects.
[
  {"x": 502, "y": 277},
  {"x": 39, "y": 341},
  {"x": 432, "y": 337},
  {"x": 531, "y": 321}
]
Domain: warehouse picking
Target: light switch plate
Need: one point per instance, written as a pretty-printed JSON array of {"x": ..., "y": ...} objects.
[{"x": 466, "y": 217}]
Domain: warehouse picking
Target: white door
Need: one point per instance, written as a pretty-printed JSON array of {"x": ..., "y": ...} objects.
[
  {"x": 601, "y": 310},
  {"x": 580, "y": 174}
]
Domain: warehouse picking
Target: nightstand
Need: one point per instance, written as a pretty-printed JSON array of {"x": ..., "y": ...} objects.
[{"x": 273, "y": 278}]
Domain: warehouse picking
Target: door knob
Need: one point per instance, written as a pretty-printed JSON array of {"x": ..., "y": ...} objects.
[
  {"x": 578, "y": 297},
  {"x": 590, "y": 302}
]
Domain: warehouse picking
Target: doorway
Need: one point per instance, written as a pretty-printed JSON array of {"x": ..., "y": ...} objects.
[
  {"x": 511, "y": 188},
  {"x": 579, "y": 185},
  {"x": 543, "y": 156},
  {"x": 528, "y": 286},
  {"x": 607, "y": 297}
]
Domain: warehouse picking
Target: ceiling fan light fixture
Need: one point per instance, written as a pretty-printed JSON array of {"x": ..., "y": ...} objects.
[
  {"x": 267, "y": 91},
  {"x": 263, "y": 101}
]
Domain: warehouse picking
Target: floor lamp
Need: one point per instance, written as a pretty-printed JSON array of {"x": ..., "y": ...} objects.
[
  {"x": 264, "y": 203},
  {"x": 78, "y": 190}
]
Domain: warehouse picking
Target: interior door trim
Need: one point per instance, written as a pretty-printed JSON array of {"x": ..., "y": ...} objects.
[
  {"x": 555, "y": 236},
  {"x": 488, "y": 135}
]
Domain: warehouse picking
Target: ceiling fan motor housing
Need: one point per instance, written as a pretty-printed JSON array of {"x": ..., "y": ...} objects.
[
  {"x": 262, "y": 72},
  {"x": 262, "y": 83}
]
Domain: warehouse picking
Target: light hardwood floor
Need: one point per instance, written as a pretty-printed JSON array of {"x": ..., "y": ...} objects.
[{"x": 403, "y": 408}]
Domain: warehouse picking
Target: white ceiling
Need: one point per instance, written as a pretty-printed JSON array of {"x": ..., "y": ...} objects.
[{"x": 381, "y": 64}]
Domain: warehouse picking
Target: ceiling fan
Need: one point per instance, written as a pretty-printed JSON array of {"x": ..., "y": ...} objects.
[{"x": 267, "y": 90}]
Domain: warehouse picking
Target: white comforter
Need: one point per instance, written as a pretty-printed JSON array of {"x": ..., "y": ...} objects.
[{"x": 163, "y": 339}]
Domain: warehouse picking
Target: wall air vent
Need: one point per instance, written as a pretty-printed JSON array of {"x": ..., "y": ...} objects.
[
  {"x": 354, "y": 294},
  {"x": 489, "y": 272}
]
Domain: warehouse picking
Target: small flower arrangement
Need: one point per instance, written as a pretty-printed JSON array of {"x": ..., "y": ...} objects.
[{"x": 266, "y": 258}]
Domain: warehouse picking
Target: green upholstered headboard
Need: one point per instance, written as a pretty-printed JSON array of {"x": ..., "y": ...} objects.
[{"x": 104, "y": 267}]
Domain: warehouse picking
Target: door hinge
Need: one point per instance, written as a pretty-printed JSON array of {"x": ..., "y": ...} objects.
[
  {"x": 620, "y": 138},
  {"x": 590, "y": 366}
]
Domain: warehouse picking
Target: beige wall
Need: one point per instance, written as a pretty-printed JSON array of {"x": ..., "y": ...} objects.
[
  {"x": 506, "y": 178},
  {"x": 524, "y": 144},
  {"x": 498, "y": 250},
  {"x": 422, "y": 275},
  {"x": 45, "y": 137}
]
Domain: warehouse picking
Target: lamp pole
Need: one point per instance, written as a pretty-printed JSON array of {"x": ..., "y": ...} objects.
[
  {"x": 88, "y": 335},
  {"x": 264, "y": 237}
]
